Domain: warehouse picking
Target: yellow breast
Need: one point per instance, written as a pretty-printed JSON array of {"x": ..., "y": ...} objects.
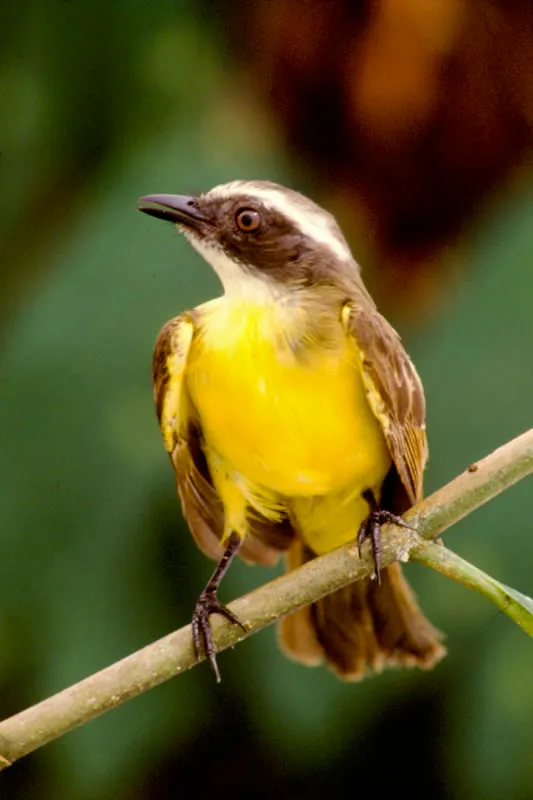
[{"x": 297, "y": 423}]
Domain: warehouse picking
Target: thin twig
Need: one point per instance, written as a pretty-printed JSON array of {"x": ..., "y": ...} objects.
[
  {"x": 517, "y": 606},
  {"x": 55, "y": 716}
]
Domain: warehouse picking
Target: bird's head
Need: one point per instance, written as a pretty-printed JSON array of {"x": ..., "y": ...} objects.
[{"x": 260, "y": 238}]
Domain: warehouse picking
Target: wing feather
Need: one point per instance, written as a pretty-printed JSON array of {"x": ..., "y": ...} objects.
[
  {"x": 182, "y": 434},
  {"x": 394, "y": 392}
]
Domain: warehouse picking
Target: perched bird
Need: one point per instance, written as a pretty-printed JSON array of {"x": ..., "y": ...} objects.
[{"x": 294, "y": 419}]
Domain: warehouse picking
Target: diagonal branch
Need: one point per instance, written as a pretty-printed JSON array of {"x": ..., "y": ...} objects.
[{"x": 55, "y": 716}]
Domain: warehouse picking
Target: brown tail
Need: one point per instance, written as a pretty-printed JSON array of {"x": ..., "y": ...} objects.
[{"x": 362, "y": 627}]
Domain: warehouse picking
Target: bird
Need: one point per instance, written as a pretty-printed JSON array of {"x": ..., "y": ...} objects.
[{"x": 294, "y": 419}]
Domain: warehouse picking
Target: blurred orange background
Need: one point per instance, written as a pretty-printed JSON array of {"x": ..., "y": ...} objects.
[{"x": 412, "y": 122}]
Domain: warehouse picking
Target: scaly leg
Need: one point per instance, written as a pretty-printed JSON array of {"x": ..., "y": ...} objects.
[
  {"x": 208, "y": 604},
  {"x": 371, "y": 529}
]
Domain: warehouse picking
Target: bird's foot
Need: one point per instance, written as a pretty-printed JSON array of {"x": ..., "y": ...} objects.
[
  {"x": 371, "y": 529},
  {"x": 201, "y": 628}
]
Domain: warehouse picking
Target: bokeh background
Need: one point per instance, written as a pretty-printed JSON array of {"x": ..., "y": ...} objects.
[{"x": 412, "y": 122}]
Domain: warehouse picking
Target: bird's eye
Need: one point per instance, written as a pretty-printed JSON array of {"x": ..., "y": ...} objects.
[{"x": 248, "y": 220}]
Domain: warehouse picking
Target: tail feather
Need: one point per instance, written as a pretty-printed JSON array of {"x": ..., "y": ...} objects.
[
  {"x": 298, "y": 639},
  {"x": 405, "y": 635},
  {"x": 362, "y": 627},
  {"x": 296, "y": 632}
]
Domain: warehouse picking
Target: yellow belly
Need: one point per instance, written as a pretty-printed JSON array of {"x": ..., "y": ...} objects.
[{"x": 297, "y": 427}]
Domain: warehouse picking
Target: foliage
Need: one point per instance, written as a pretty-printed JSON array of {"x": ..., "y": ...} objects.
[{"x": 95, "y": 560}]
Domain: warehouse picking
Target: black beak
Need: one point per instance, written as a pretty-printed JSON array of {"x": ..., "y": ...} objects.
[{"x": 180, "y": 209}]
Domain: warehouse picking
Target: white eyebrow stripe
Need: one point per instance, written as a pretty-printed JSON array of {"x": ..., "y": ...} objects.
[{"x": 317, "y": 225}]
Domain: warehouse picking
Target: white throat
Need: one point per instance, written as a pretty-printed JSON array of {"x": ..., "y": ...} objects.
[{"x": 238, "y": 284}]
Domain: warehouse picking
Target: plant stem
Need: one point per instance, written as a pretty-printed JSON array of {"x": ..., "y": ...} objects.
[
  {"x": 161, "y": 660},
  {"x": 453, "y": 566}
]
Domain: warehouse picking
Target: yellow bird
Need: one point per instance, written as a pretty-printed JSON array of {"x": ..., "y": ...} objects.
[{"x": 294, "y": 419}]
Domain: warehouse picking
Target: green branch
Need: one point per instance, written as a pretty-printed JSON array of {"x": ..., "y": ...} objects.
[
  {"x": 168, "y": 657},
  {"x": 513, "y": 603}
]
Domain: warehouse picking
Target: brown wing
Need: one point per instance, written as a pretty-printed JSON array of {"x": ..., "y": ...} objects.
[
  {"x": 394, "y": 391},
  {"x": 183, "y": 438}
]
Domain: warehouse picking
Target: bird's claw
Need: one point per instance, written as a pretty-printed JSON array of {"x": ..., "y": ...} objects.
[
  {"x": 371, "y": 529},
  {"x": 202, "y": 638}
]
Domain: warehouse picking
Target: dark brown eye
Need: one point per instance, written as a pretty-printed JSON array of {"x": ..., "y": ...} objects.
[{"x": 248, "y": 220}]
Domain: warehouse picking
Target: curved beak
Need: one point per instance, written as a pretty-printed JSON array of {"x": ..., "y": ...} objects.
[{"x": 180, "y": 209}]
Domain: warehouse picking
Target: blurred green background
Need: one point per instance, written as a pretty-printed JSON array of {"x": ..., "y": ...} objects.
[{"x": 101, "y": 103}]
